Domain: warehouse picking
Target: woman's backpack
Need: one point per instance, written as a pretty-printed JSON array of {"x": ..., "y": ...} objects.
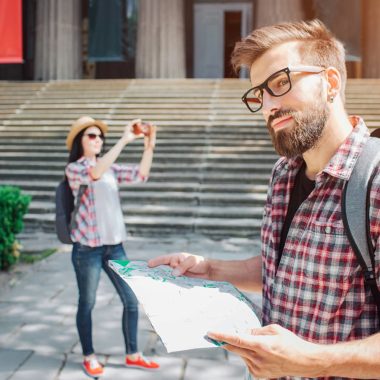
[{"x": 65, "y": 211}]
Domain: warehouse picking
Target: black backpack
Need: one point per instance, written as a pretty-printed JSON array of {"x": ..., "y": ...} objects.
[
  {"x": 355, "y": 212},
  {"x": 65, "y": 211}
]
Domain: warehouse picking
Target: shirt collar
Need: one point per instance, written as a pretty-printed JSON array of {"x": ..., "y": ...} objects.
[
  {"x": 344, "y": 160},
  {"x": 85, "y": 161}
]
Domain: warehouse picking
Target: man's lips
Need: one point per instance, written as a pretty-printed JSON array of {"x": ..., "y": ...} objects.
[{"x": 279, "y": 122}]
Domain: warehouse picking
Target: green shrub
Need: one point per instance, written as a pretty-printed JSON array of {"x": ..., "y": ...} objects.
[{"x": 13, "y": 206}]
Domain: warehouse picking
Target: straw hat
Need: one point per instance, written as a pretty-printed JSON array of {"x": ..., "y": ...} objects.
[{"x": 81, "y": 124}]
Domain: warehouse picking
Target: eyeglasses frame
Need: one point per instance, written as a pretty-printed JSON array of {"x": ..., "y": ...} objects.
[
  {"x": 90, "y": 136},
  {"x": 264, "y": 86}
]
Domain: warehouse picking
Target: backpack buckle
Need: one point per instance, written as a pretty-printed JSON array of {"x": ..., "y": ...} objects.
[{"x": 369, "y": 276}]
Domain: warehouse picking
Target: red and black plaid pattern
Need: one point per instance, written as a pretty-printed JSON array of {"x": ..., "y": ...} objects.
[{"x": 318, "y": 289}]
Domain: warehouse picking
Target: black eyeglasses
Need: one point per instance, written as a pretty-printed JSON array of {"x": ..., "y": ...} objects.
[
  {"x": 278, "y": 84},
  {"x": 93, "y": 136}
]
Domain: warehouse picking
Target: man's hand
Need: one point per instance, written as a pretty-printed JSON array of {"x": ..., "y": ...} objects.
[
  {"x": 184, "y": 264},
  {"x": 273, "y": 351}
]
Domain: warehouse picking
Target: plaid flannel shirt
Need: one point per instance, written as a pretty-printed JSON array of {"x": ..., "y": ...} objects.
[
  {"x": 78, "y": 173},
  {"x": 318, "y": 289}
]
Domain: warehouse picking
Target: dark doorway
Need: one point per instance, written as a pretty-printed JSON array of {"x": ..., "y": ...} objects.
[
  {"x": 232, "y": 34},
  {"x": 102, "y": 68}
]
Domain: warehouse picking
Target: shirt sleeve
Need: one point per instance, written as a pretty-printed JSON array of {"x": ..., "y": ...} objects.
[
  {"x": 77, "y": 174},
  {"x": 128, "y": 174}
]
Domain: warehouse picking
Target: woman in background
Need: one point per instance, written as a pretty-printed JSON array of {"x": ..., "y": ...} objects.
[{"x": 99, "y": 228}]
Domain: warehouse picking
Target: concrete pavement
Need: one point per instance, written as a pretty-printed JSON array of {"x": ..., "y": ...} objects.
[{"x": 38, "y": 337}]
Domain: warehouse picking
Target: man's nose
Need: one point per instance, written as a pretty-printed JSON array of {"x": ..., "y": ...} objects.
[{"x": 271, "y": 104}]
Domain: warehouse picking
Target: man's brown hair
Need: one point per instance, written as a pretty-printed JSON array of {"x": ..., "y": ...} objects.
[{"x": 318, "y": 46}]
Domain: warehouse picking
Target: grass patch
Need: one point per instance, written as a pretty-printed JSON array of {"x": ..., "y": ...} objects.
[{"x": 31, "y": 257}]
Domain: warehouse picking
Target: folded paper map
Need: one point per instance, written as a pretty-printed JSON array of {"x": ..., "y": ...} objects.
[{"x": 182, "y": 309}]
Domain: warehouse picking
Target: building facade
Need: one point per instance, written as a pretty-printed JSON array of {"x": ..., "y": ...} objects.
[{"x": 74, "y": 39}]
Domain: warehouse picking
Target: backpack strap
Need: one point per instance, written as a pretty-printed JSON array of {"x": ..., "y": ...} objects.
[
  {"x": 355, "y": 213},
  {"x": 82, "y": 189}
]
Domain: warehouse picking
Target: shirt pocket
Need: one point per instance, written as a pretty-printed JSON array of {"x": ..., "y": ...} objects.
[{"x": 329, "y": 255}]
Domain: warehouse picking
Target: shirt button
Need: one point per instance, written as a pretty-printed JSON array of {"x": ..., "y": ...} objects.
[{"x": 328, "y": 229}]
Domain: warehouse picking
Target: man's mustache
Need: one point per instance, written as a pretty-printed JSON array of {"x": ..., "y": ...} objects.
[{"x": 280, "y": 113}]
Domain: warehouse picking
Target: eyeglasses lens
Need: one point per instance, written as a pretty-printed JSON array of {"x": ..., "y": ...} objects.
[
  {"x": 253, "y": 100},
  {"x": 277, "y": 85},
  {"x": 93, "y": 136}
]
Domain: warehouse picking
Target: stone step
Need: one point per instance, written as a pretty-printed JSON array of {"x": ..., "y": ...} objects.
[
  {"x": 205, "y": 167},
  {"x": 199, "y": 136},
  {"x": 220, "y": 178},
  {"x": 174, "y": 197},
  {"x": 153, "y": 186},
  {"x": 125, "y": 111},
  {"x": 60, "y": 134},
  {"x": 207, "y": 124},
  {"x": 253, "y": 147},
  {"x": 58, "y": 149},
  {"x": 132, "y": 209},
  {"x": 207, "y": 136},
  {"x": 35, "y": 161},
  {"x": 13, "y": 132},
  {"x": 213, "y": 117},
  {"x": 134, "y": 156},
  {"x": 141, "y": 225},
  {"x": 117, "y": 100},
  {"x": 175, "y": 194},
  {"x": 124, "y": 98}
]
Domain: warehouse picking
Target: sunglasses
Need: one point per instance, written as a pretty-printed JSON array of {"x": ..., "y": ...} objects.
[{"x": 93, "y": 136}]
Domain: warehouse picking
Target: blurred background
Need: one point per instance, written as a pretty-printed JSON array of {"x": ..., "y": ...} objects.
[{"x": 104, "y": 39}]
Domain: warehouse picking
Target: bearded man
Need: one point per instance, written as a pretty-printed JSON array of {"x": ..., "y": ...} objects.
[{"x": 320, "y": 319}]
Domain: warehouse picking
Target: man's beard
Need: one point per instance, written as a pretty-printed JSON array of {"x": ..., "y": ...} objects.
[{"x": 304, "y": 135}]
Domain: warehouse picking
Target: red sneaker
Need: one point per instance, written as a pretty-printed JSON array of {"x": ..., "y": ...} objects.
[
  {"x": 93, "y": 368},
  {"x": 142, "y": 363}
]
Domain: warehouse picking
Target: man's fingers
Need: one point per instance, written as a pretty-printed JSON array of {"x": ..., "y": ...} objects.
[
  {"x": 251, "y": 359},
  {"x": 234, "y": 340},
  {"x": 174, "y": 260},
  {"x": 159, "y": 260},
  {"x": 242, "y": 352},
  {"x": 266, "y": 330},
  {"x": 184, "y": 265},
  {"x": 248, "y": 342}
]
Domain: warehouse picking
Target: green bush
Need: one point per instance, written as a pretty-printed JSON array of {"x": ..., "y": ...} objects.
[{"x": 13, "y": 206}]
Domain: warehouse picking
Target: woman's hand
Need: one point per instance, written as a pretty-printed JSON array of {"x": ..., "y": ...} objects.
[
  {"x": 128, "y": 135},
  {"x": 136, "y": 125}
]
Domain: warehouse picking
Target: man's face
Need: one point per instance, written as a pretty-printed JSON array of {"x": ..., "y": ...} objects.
[{"x": 297, "y": 119}]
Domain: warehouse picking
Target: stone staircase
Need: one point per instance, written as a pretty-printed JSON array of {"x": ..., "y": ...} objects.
[{"x": 212, "y": 162}]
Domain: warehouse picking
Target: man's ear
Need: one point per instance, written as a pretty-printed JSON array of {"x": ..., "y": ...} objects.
[{"x": 334, "y": 81}]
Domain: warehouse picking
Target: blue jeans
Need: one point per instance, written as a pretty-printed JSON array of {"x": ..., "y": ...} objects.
[{"x": 88, "y": 262}]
